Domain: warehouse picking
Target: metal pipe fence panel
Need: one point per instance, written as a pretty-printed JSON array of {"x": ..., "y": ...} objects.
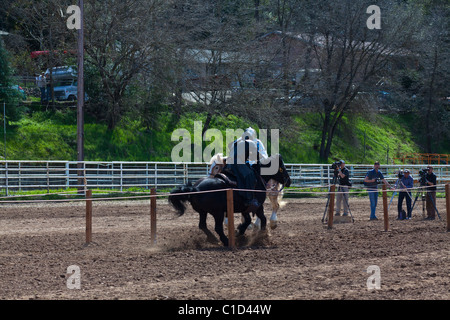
[{"x": 50, "y": 175}]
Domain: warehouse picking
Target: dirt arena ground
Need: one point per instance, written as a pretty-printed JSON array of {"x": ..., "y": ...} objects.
[{"x": 300, "y": 259}]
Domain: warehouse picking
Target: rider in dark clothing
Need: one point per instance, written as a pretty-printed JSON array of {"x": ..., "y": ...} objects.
[{"x": 242, "y": 152}]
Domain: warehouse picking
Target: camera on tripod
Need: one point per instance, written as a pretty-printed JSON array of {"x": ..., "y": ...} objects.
[
  {"x": 336, "y": 165},
  {"x": 400, "y": 174},
  {"x": 423, "y": 176}
]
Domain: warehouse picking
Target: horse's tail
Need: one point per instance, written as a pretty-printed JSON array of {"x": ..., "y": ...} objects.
[{"x": 178, "y": 200}]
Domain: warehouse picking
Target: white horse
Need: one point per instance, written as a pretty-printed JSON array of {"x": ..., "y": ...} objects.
[{"x": 274, "y": 190}]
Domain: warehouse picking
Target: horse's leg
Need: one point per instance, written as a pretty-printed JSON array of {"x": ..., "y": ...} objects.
[
  {"x": 275, "y": 207},
  {"x": 202, "y": 226},
  {"x": 262, "y": 217},
  {"x": 262, "y": 236},
  {"x": 247, "y": 220},
  {"x": 218, "y": 217}
]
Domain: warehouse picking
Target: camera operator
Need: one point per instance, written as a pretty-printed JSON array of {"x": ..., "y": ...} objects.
[
  {"x": 406, "y": 183},
  {"x": 373, "y": 177},
  {"x": 343, "y": 176},
  {"x": 430, "y": 194}
]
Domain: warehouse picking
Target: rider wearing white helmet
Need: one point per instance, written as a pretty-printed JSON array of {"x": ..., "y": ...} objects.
[{"x": 250, "y": 134}]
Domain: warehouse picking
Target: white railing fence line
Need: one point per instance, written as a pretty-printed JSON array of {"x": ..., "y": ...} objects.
[{"x": 50, "y": 175}]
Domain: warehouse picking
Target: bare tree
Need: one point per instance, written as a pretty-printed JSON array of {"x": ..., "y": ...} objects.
[
  {"x": 206, "y": 40},
  {"x": 434, "y": 53},
  {"x": 42, "y": 24},
  {"x": 350, "y": 57},
  {"x": 119, "y": 44}
]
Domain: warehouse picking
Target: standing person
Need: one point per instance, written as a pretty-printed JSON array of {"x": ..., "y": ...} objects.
[
  {"x": 431, "y": 194},
  {"x": 344, "y": 183},
  {"x": 406, "y": 183},
  {"x": 371, "y": 181},
  {"x": 42, "y": 83}
]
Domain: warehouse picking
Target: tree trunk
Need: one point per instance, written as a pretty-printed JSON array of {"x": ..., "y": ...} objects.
[
  {"x": 325, "y": 128},
  {"x": 113, "y": 116},
  {"x": 207, "y": 122},
  {"x": 430, "y": 105},
  {"x": 256, "y": 4}
]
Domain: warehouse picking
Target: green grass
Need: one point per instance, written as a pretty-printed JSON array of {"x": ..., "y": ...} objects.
[
  {"x": 357, "y": 139},
  {"x": 51, "y": 135}
]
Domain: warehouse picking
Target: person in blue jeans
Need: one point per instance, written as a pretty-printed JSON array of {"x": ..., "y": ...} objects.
[{"x": 373, "y": 177}]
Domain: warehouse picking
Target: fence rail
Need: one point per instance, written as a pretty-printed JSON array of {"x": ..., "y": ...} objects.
[{"x": 31, "y": 175}]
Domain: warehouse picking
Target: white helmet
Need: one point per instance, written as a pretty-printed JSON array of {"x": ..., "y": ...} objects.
[{"x": 249, "y": 133}]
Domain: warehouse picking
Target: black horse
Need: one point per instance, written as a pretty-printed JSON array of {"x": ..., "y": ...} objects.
[{"x": 215, "y": 203}]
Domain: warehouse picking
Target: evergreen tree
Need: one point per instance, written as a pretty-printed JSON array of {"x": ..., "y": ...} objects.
[{"x": 8, "y": 94}]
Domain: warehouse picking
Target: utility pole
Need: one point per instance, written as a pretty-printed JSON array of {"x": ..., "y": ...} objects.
[
  {"x": 80, "y": 99},
  {"x": 4, "y": 125}
]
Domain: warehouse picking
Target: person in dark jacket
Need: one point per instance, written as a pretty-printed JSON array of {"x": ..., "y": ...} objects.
[
  {"x": 431, "y": 194},
  {"x": 406, "y": 183},
  {"x": 344, "y": 183}
]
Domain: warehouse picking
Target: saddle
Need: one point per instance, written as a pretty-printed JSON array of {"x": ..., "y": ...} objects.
[{"x": 227, "y": 180}]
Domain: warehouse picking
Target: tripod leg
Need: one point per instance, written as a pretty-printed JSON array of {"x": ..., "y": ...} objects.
[
  {"x": 349, "y": 211},
  {"x": 417, "y": 196},
  {"x": 345, "y": 196},
  {"x": 423, "y": 205},
  {"x": 393, "y": 195},
  {"x": 395, "y": 192},
  {"x": 326, "y": 207}
]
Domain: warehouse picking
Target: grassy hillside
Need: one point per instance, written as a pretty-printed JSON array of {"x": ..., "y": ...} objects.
[{"x": 51, "y": 135}]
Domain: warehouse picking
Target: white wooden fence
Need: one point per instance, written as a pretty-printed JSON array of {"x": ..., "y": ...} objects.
[{"x": 50, "y": 175}]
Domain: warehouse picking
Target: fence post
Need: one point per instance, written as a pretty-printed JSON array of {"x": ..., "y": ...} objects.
[
  {"x": 48, "y": 177},
  {"x": 121, "y": 176},
  {"x": 321, "y": 175},
  {"x": 230, "y": 215},
  {"x": 385, "y": 209},
  {"x": 331, "y": 206},
  {"x": 67, "y": 173},
  {"x": 88, "y": 216},
  {"x": 146, "y": 176},
  {"x": 6, "y": 178},
  {"x": 447, "y": 200},
  {"x": 153, "y": 216},
  {"x": 19, "y": 176},
  {"x": 156, "y": 175}
]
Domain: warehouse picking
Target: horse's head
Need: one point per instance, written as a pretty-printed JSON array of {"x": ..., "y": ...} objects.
[
  {"x": 217, "y": 168},
  {"x": 217, "y": 163},
  {"x": 281, "y": 175}
]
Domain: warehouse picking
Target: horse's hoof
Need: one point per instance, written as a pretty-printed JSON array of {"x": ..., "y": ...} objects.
[
  {"x": 212, "y": 240},
  {"x": 273, "y": 224}
]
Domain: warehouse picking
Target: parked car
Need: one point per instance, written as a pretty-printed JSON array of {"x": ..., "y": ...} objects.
[
  {"x": 63, "y": 72},
  {"x": 67, "y": 90}
]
